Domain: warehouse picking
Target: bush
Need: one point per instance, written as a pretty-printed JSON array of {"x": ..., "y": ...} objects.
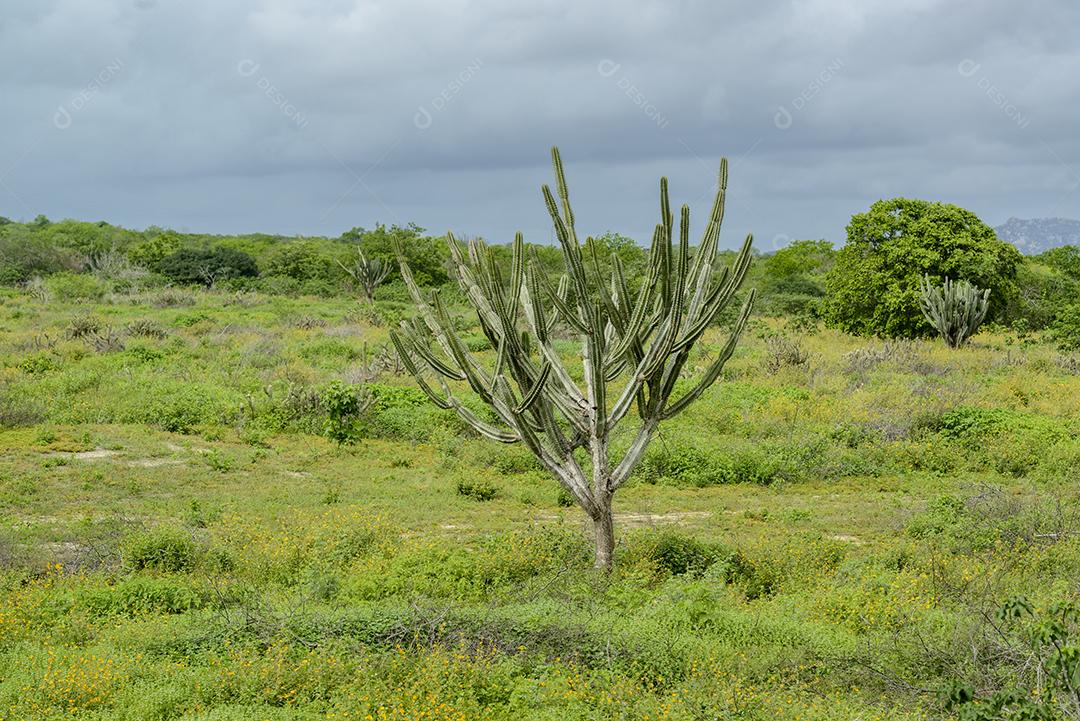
[
  {"x": 781, "y": 352},
  {"x": 404, "y": 413},
  {"x": 476, "y": 489},
  {"x": 343, "y": 406},
  {"x": 873, "y": 289},
  {"x": 180, "y": 412},
  {"x": 672, "y": 464},
  {"x": 76, "y": 287},
  {"x": 25, "y": 254},
  {"x": 301, "y": 260},
  {"x": 165, "y": 549},
  {"x": 141, "y": 596},
  {"x": 1066, "y": 329},
  {"x": 207, "y": 266},
  {"x": 38, "y": 363},
  {"x": 679, "y": 554}
]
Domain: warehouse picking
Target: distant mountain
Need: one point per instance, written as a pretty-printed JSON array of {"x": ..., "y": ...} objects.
[{"x": 1037, "y": 235}]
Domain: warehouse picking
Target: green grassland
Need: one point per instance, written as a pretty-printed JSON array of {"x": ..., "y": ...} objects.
[{"x": 823, "y": 536}]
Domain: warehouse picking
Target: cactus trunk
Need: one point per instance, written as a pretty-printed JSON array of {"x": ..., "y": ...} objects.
[{"x": 604, "y": 530}]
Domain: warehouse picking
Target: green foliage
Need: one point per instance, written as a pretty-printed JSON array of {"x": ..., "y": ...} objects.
[
  {"x": 38, "y": 363},
  {"x": 682, "y": 465},
  {"x": 206, "y": 266},
  {"x": 302, "y": 260},
  {"x": 873, "y": 288},
  {"x": 1045, "y": 291},
  {"x": 478, "y": 489},
  {"x": 678, "y": 554},
  {"x": 1050, "y": 641},
  {"x": 150, "y": 252},
  {"x": 791, "y": 280},
  {"x": 344, "y": 406},
  {"x": 181, "y": 410},
  {"x": 1066, "y": 329},
  {"x": 141, "y": 596},
  {"x": 75, "y": 287},
  {"x": 426, "y": 256},
  {"x": 167, "y": 550},
  {"x": 25, "y": 254}
]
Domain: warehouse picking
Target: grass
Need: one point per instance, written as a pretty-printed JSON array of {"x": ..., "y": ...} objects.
[{"x": 813, "y": 540}]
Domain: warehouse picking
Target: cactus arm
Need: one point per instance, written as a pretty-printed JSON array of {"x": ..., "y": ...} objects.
[{"x": 713, "y": 372}]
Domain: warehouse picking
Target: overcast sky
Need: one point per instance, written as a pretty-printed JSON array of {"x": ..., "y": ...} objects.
[{"x": 314, "y": 116}]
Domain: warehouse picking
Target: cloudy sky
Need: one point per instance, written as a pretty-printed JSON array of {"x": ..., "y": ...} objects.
[{"x": 314, "y": 116}]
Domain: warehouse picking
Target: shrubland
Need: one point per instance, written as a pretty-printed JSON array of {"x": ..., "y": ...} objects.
[{"x": 241, "y": 507}]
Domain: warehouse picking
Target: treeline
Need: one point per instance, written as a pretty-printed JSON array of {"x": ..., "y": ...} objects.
[{"x": 868, "y": 287}]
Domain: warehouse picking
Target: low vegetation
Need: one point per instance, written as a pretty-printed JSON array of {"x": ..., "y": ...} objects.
[
  {"x": 213, "y": 523},
  {"x": 227, "y": 497}
]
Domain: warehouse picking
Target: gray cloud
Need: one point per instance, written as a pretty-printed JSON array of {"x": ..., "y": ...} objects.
[{"x": 311, "y": 117}]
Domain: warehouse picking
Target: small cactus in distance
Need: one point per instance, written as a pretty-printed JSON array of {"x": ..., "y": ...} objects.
[
  {"x": 956, "y": 309},
  {"x": 369, "y": 274}
]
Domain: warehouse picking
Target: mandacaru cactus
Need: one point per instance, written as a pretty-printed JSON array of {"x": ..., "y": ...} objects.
[
  {"x": 955, "y": 309},
  {"x": 639, "y": 339},
  {"x": 367, "y": 273}
]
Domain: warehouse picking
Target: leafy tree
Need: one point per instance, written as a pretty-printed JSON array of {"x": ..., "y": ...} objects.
[
  {"x": 207, "y": 265},
  {"x": 300, "y": 260},
  {"x": 150, "y": 252},
  {"x": 1045, "y": 290},
  {"x": 792, "y": 279},
  {"x": 1065, "y": 258},
  {"x": 426, "y": 256},
  {"x": 25, "y": 254},
  {"x": 873, "y": 288},
  {"x": 642, "y": 337}
]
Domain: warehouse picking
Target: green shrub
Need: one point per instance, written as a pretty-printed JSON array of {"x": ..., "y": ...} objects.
[
  {"x": 477, "y": 489},
  {"x": 332, "y": 350},
  {"x": 678, "y": 465},
  {"x": 301, "y": 260},
  {"x": 165, "y": 549},
  {"x": 76, "y": 287},
  {"x": 145, "y": 354},
  {"x": 941, "y": 514},
  {"x": 343, "y": 406},
  {"x": 1066, "y": 329},
  {"x": 679, "y": 554},
  {"x": 563, "y": 499},
  {"x": 206, "y": 266},
  {"x": 141, "y": 596},
  {"x": 181, "y": 411},
  {"x": 38, "y": 363},
  {"x": 404, "y": 413},
  {"x": 187, "y": 320},
  {"x": 477, "y": 343}
]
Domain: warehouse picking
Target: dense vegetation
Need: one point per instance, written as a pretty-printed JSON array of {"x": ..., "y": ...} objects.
[{"x": 231, "y": 501}]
